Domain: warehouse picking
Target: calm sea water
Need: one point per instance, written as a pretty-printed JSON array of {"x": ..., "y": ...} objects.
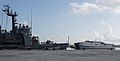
[{"x": 59, "y": 55}]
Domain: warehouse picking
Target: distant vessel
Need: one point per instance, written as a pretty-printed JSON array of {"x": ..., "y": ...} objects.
[
  {"x": 50, "y": 45},
  {"x": 69, "y": 47},
  {"x": 93, "y": 45}
]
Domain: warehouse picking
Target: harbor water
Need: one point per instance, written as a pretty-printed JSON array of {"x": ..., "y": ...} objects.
[{"x": 59, "y": 55}]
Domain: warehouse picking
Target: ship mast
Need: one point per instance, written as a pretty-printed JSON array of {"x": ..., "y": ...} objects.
[
  {"x": 31, "y": 22},
  {"x": 12, "y": 14},
  {"x": 68, "y": 39}
]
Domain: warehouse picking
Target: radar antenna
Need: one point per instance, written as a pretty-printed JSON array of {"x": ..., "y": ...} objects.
[{"x": 12, "y": 14}]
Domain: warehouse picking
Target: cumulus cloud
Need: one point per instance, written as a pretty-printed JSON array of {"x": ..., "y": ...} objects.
[
  {"x": 108, "y": 27},
  {"x": 112, "y": 6},
  {"x": 86, "y": 8},
  {"x": 98, "y": 36},
  {"x": 116, "y": 10},
  {"x": 110, "y": 35},
  {"x": 108, "y": 2},
  {"x": 81, "y": 39}
]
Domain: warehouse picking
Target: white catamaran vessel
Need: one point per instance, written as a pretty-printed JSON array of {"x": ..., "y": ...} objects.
[{"x": 93, "y": 45}]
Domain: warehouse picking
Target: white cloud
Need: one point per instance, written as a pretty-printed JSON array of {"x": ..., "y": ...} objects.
[
  {"x": 108, "y": 27},
  {"x": 108, "y": 1},
  {"x": 116, "y": 10},
  {"x": 81, "y": 39},
  {"x": 86, "y": 8},
  {"x": 112, "y": 6},
  {"x": 98, "y": 37},
  {"x": 109, "y": 35},
  {"x": 116, "y": 1}
]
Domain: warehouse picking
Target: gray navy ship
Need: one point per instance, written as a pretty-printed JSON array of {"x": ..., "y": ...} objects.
[
  {"x": 20, "y": 37},
  {"x": 51, "y": 45},
  {"x": 93, "y": 45}
]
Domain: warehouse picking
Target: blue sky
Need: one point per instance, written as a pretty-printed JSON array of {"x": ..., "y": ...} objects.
[{"x": 79, "y": 19}]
